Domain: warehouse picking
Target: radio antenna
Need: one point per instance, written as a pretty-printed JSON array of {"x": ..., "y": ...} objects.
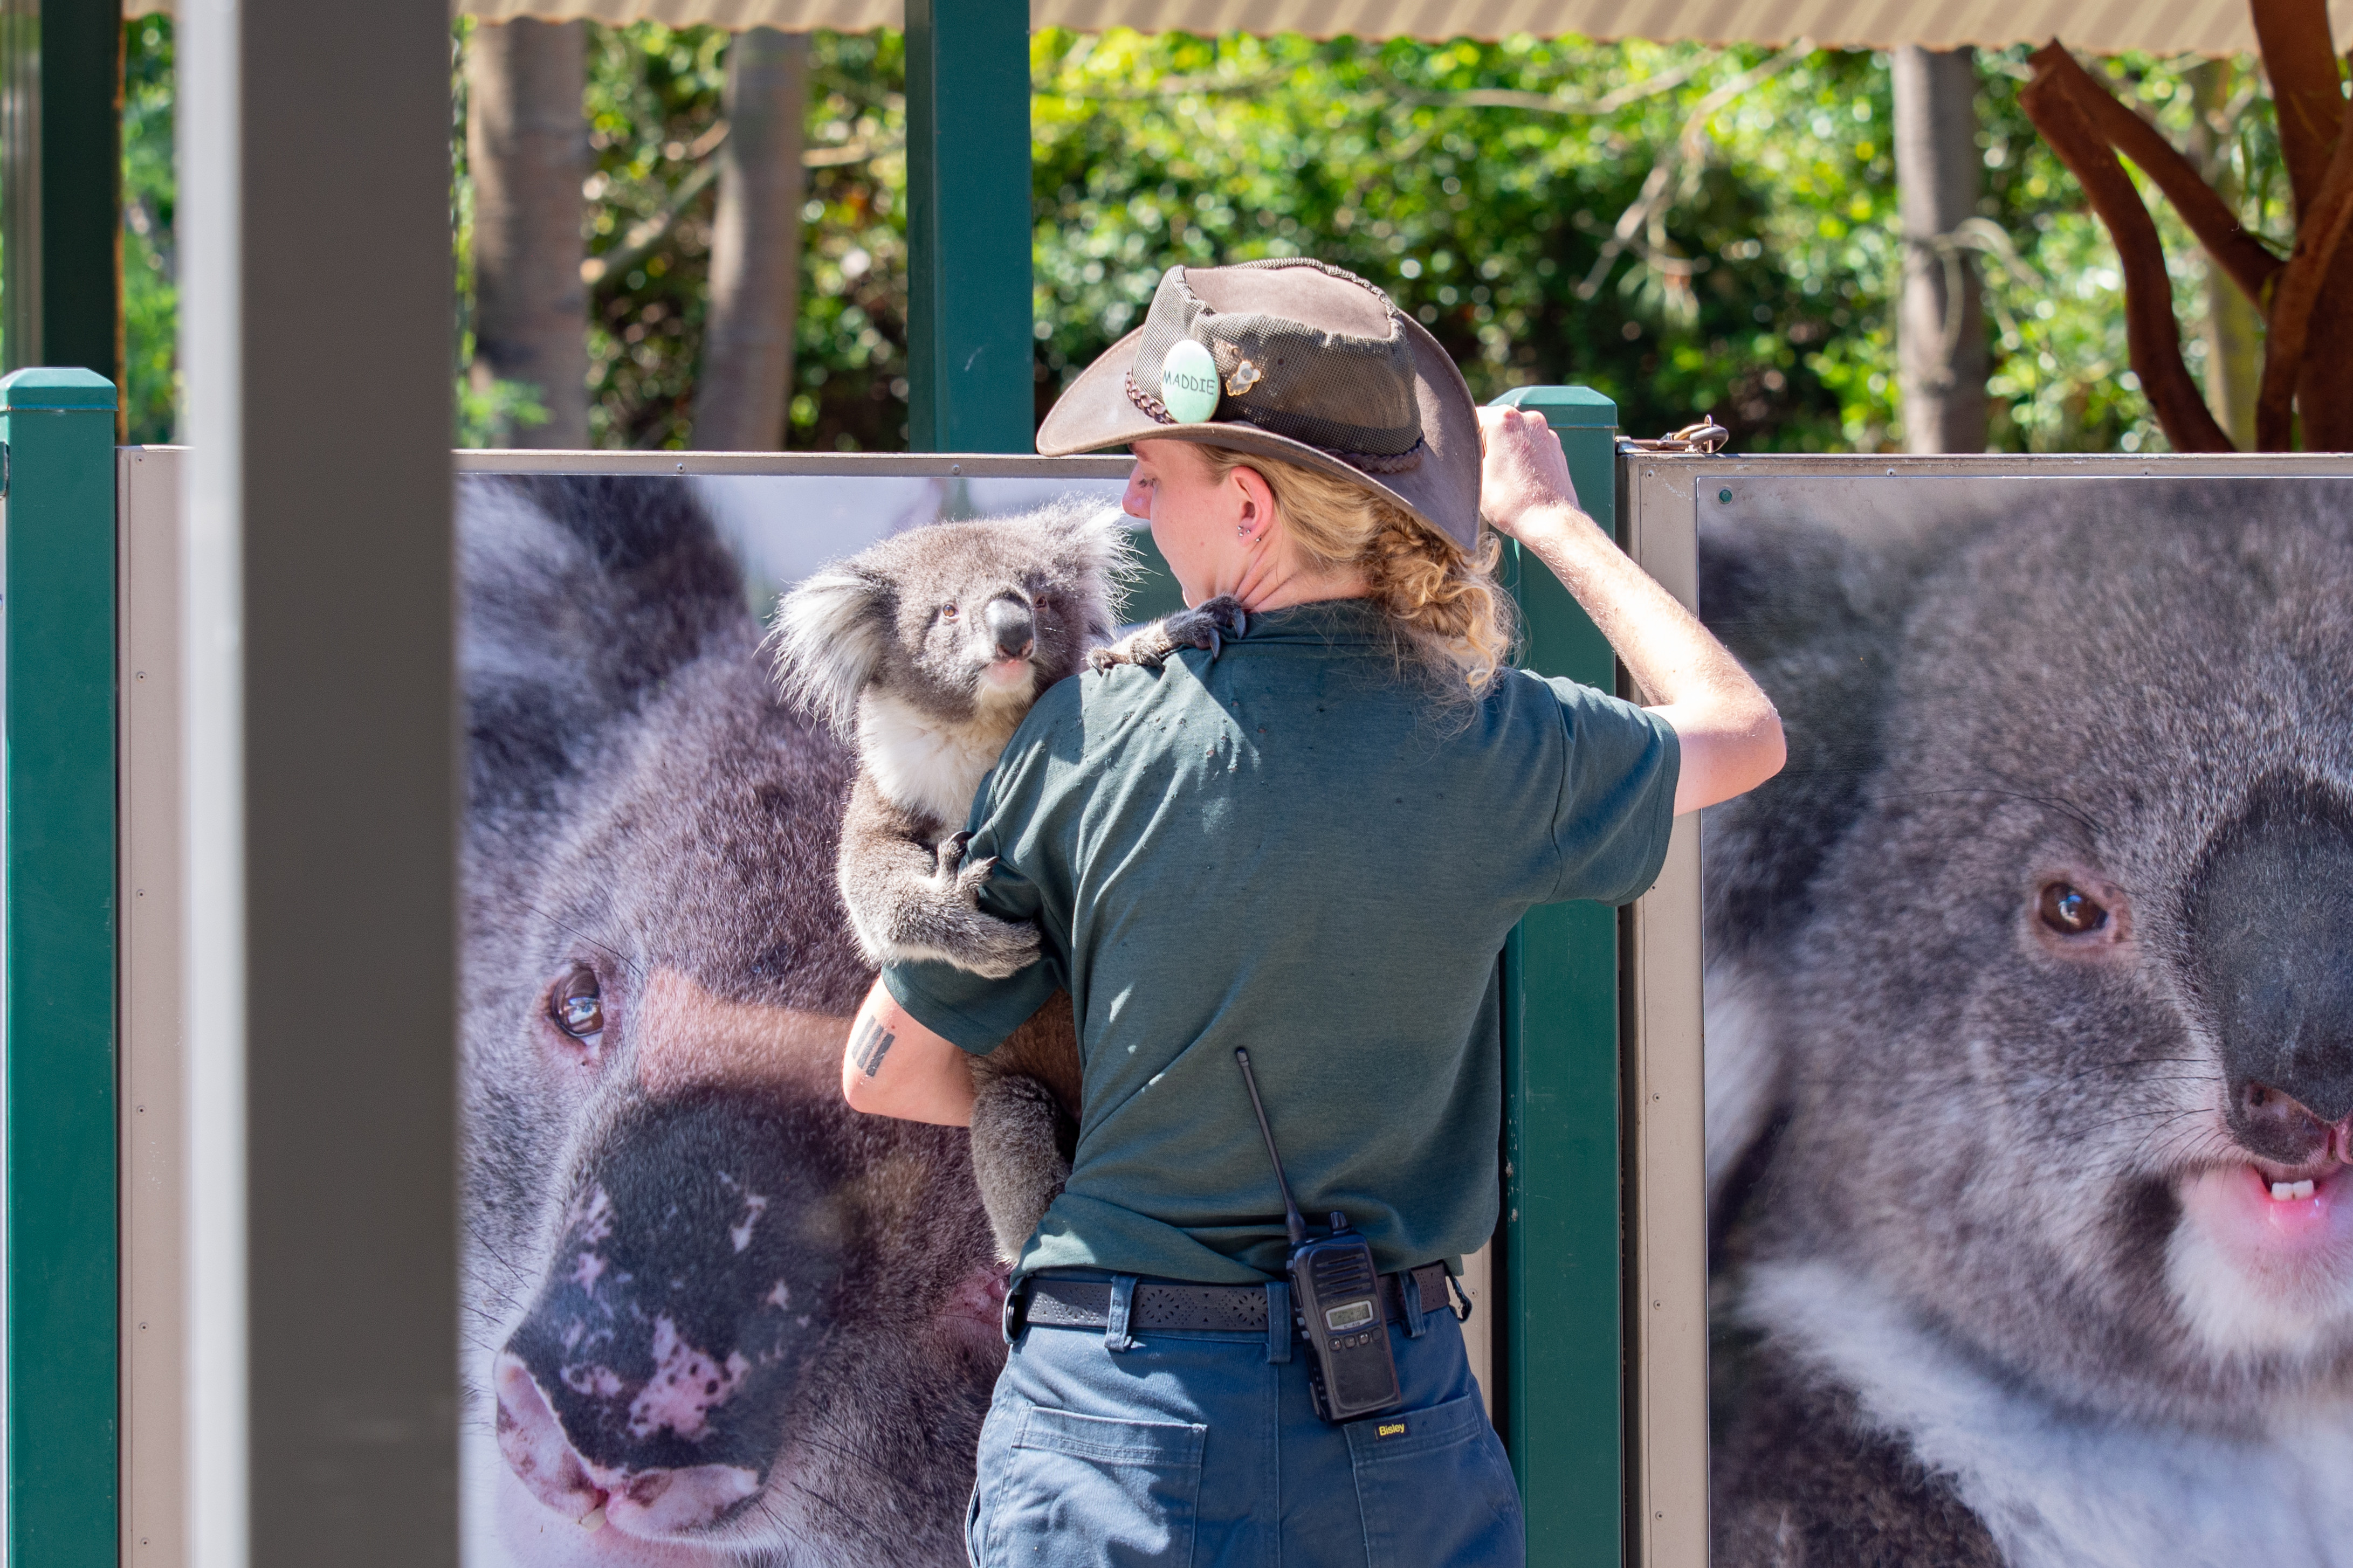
[{"x": 1291, "y": 1220}]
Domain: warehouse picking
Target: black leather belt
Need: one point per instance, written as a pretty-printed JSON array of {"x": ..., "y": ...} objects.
[{"x": 1050, "y": 1301}]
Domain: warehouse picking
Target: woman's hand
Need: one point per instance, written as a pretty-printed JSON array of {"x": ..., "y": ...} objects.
[
  {"x": 1522, "y": 472},
  {"x": 1730, "y": 735}
]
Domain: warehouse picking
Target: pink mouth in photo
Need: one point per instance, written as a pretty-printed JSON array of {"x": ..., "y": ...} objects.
[
  {"x": 2272, "y": 1219},
  {"x": 1009, "y": 671}
]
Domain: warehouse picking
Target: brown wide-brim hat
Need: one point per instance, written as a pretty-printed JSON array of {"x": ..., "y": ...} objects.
[{"x": 1303, "y": 363}]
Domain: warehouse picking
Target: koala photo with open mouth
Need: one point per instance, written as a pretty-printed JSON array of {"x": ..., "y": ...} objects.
[{"x": 2029, "y": 1027}]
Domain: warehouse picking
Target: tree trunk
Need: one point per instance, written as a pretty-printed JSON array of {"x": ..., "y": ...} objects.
[
  {"x": 741, "y": 398},
  {"x": 1940, "y": 319},
  {"x": 527, "y": 147},
  {"x": 2234, "y": 328}
]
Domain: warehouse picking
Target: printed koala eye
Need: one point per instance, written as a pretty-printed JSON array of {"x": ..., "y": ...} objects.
[
  {"x": 578, "y": 1006},
  {"x": 2069, "y": 911}
]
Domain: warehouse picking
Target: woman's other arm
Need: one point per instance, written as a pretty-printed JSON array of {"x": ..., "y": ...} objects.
[
  {"x": 895, "y": 1066},
  {"x": 1730, "y": 734}
]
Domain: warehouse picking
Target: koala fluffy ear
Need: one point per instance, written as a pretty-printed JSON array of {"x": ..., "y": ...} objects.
[
  {"x": 1097, "y": 550},
  {"x": 829, "y": 637}
]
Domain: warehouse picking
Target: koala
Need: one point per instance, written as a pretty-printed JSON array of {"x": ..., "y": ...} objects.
[
  {"x": 2030, "y": 1034},
  {"x": 925, "y": 652}
]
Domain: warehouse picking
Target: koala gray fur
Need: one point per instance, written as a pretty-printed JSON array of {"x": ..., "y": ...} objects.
[
  {"x": 1970, "y": 1318},
  {"x": 925, "y": 651},
  {"x": 644, "y": 817}
]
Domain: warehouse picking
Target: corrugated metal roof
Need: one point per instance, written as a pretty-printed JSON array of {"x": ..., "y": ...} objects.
[{"x": 2101, "y": 26}]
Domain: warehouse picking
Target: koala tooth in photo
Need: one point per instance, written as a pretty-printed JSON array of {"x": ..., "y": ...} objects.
[
  {"x": 925, "y": 651},
  {"x": 2029, "y": 1033}
]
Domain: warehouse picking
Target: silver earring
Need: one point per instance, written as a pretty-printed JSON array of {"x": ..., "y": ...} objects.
[{"x": 1242, "y": 531}]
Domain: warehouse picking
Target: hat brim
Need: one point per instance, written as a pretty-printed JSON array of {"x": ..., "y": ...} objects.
[{"x": 1441, "y": 493}]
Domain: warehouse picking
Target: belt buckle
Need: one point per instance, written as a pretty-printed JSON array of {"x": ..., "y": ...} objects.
[{"x": 1009, "y": 1317}]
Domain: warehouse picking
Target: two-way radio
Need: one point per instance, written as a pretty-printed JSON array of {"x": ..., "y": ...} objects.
[{"x": 1340, "y": 1304}]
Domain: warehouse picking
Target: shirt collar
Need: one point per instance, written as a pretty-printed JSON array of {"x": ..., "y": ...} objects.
[{"x": 1322, "y": 622}]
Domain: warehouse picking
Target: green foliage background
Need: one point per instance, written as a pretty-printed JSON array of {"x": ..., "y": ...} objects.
[{"x": 1480, "y": 184}]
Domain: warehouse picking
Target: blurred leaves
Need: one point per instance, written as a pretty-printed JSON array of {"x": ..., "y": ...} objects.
[{"x": 1482, "y": 184}]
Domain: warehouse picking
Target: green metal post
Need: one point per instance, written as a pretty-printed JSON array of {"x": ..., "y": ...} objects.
[
  {"x": 61, "y": 190},
  {"x": 56, "y": 967},
  {"x": 971, "y": 386},
  {"x": 1562, "y": 1332}
]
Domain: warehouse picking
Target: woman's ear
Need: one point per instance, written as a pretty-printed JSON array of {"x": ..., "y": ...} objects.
[{"x": 1254, "y": 507}]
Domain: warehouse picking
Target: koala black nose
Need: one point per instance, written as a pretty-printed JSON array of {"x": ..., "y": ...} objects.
[
  {"x": 1011, "y": 624},
  {"x": 2271, "y": 928}
]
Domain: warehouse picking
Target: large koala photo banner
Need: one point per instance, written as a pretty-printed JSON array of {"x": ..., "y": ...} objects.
[
  {"x": 2030, "y": 1015},
  {"x": 710, "y": 1315}
]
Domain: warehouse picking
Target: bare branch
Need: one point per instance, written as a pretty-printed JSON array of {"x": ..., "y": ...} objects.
[
  {"x": 2317, "y": 233},
  {"x": 1651, "y": 202},
  {"x": 1545, "y": 103},
  {"x": 2151, "y": 329},
  {"x": 644, "y": 237},
  {"x": 2248, "y": 261},
  {"x": 2307, "y": 91}
]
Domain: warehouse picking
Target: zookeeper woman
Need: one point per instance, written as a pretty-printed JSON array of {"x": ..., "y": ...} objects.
[{"x": 1311, "y": 845}]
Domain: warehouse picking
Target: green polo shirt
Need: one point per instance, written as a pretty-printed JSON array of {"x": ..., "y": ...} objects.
[{"x": 1294, "y": 848}]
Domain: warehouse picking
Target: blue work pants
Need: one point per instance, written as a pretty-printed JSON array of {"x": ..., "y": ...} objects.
[{"x": 1203, "y": 1450}]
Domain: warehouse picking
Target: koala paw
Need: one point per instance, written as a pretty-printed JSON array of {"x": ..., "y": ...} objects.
[
  {"x": 956, "y": 927},
  {"x": 990, "y": 947},
  {"x": 1205, "y": 626}
]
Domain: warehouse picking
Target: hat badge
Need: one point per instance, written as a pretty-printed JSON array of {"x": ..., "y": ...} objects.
[
  {"x": 1188, "y": 383},
  {"x": 1246, "y": 375}
]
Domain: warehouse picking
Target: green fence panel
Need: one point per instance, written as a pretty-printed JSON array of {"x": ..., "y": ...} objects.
[
  {"x": 58, "y": 966},
  {"x": 971, "y": 385},
  {"x": 1561, "y": 1334}
]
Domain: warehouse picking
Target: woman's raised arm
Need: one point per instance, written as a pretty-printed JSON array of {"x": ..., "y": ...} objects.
[{"x": 1730, "y": 734}]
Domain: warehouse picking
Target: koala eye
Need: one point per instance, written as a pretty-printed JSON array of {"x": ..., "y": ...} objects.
[
  {"x": 948, "y": 612},
  {"x": 577, "y": 1005},
  {"x": 2069, "y": 911}
]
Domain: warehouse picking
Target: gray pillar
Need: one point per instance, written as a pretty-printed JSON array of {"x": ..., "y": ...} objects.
[
  {"x": 1940, "y": 319},
  {"x": 527, "y": 150},
  {"x": 746, "y": 384},
  {"x": 321, "y": 784}
]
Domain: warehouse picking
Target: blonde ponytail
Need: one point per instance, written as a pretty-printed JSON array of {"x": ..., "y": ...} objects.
[{"x": 1442, "y": 600}]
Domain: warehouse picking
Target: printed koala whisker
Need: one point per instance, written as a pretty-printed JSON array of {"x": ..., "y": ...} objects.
[{"x": 615, "y": 953}]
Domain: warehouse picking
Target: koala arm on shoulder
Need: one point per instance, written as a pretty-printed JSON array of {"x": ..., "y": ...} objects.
[{"x": 1730, "y": 733}]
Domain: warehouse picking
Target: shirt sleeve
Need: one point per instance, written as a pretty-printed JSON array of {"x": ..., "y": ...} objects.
[
  {"x": 973, "y": 1011},
  {"x": 1617, "y": 799}
]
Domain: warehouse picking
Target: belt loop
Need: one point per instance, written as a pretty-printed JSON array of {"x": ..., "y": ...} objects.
[
  {"x": 1123, "y": 1300},
  {"x": 1278, "y": 1322},
  {"x": 1410, "y": 1298}
]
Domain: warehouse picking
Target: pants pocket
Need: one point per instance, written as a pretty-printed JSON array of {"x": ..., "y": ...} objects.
[
  {"x": 1435, "y": 1489},
  {"x": 1086, "y": 1489}
]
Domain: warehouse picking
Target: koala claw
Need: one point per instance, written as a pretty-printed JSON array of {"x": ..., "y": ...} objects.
[
  {"x": 1206, "y": 626},
  {"x": 950, "y": 853}
]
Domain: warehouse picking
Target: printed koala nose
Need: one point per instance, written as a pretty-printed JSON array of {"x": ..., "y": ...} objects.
[
  {"x": 1013, "y": 626},
  {"x": 654, "y": 1503},
  {"x": 2271, "y": 928},
  {"x": 688, "y": 1290}
]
